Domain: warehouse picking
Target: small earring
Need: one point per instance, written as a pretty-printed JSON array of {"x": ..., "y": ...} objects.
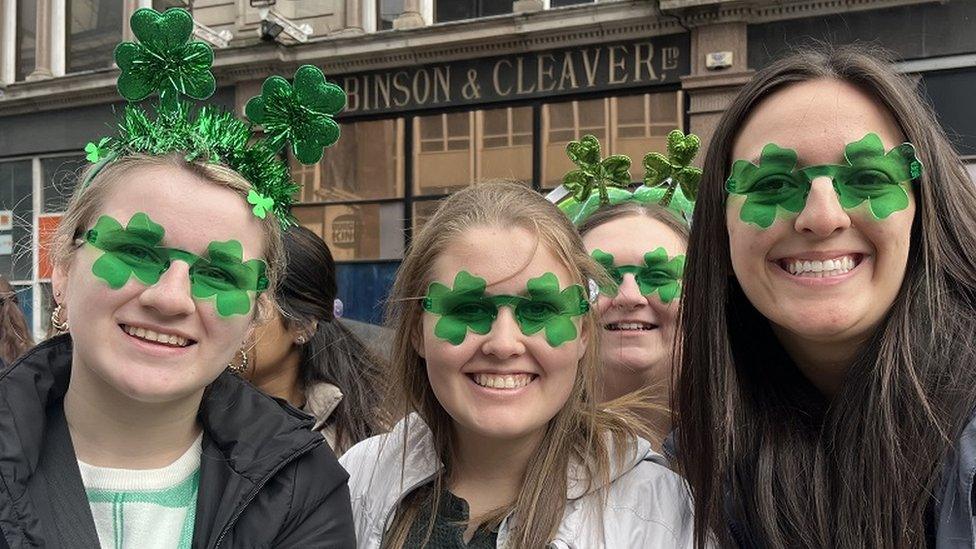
[
  {"x": 60, "y": 325},
  {"x": 239, "y": 369},
  {"x": 300, "y": 340}
]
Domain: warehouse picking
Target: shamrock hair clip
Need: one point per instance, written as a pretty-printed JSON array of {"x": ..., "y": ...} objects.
[
  {"x": 164, "y": 61},
  {"x": 670, "y": 181}
]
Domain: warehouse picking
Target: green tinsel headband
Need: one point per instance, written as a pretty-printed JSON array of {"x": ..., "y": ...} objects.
[
  {"x": 669, "y": 181},
  {"x": 165, "y": 62}
]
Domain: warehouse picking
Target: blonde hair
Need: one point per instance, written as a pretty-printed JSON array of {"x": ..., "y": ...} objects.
[
  {"x": 88, "y": 201},
  {"x": 576, "y": 430}
]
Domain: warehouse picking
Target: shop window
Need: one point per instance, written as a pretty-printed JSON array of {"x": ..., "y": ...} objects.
[
  {"x": 94, "y": 29},
  {"x": 367, "y": 231},
  {"x": 458, "y": 10},
  {"x": 506, "y": 144},
  {"x": 59, "y": 174},
  {"x": 631, "y": 125},
  {"x": 26, "y": 38},
  {"x": 386, "y": 12},
  {"x": 365, "y": 164},
  {"x": 16, "y": 219}
]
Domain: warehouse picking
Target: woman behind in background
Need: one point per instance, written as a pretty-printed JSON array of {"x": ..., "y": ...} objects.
[
  {"x": 15, "y": 338},
  {"x": 304, "y": 355}
]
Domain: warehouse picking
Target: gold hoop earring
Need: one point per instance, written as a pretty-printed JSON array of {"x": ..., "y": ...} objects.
[
  {"x": 59, "y": 325},
  {"x": 239, "y": 369}
]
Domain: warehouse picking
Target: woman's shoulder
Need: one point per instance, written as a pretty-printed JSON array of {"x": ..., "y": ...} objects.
[{"x": 392, "y": 462}]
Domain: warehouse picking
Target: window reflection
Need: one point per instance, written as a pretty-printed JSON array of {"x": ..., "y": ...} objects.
[
  {"x": 386, "y": 12},
  {"x": 357, "y": 231},
  {"x": 94, "y": 29},
  {"x": 26, "y": 39}
]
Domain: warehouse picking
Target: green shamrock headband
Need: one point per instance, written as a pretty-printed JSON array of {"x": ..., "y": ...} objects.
[
  {"x": 134, "y": 250},
  {"x": 658, "y": 274},
  {"x": 882, "y": 179},
  {"x": 669, "y": 181},
  {"x": 467, "y": 307},
  {"x": 165, "y": 62}
]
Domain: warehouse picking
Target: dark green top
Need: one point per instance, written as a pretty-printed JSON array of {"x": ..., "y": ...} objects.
[{"x": 449, "y": 526}]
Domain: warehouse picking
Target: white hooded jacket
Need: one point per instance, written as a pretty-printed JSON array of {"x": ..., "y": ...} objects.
[{"x": 646, "y": 505}]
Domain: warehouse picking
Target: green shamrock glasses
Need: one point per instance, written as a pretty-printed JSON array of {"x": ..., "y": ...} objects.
[
  {"x": 659, "y": 273},
  {"x": 134, "y": 250},
  {"x": 467, "y": 307},
  {"x": 870, "y": 175}
]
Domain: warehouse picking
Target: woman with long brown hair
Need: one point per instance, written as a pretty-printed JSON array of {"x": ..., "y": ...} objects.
[
  {"x": 15, "y": 338},
  {"x": 494, "y": 366},
  {"x": 827, "y": 381}
]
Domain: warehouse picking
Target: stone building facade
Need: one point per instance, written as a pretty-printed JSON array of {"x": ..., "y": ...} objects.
[{"x": 442, "y": 93}]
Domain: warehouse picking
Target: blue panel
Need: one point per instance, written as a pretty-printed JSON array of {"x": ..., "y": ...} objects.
[{"x": 363, "y": 289}]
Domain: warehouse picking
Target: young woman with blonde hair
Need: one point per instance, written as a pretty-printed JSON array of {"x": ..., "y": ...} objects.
[{"x": 494, "y": 366}]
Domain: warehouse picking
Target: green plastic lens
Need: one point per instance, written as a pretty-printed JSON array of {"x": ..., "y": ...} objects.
[{"x": 659, "y": 273}]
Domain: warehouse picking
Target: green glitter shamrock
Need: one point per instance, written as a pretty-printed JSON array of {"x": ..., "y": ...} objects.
[
  {"x": 659, "y": 273},
  {"x": 224, "y": 274},
  {"x": 673, "y": 172},
  {"x": 768, "y": 186},
  {"x": 594, "y": 172},
  {"x": 467, "y": 307},
  {"x": 262, "y": 204},
  {"x": 95, "y": 152},
  {"x": 164, "y": 60},
  {"x": 128, "y": 251},
  {"x": 874, "y": 176},
  {"x": 301, "y": 114}
]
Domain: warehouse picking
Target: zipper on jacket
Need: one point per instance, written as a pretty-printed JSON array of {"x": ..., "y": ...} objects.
[{"x": 257, "y": 488}]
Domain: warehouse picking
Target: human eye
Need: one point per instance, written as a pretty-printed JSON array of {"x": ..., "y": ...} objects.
[
  {"x": 471, "y": 310},
  {"x": 868, "y": 179},
  {"x": 772, "y": 184},
  {"x": 215, "y": 276},
  {"x": 138, "y": 253},
  {"x": 537, "y": 310}
]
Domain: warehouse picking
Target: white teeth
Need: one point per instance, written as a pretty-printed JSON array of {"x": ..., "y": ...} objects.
[
  {"x": 617, "y": 326},
  {"x": 821, "y": 269},
  {"x": 495, "y": 381},
  {"x": 149, "y": 335}
]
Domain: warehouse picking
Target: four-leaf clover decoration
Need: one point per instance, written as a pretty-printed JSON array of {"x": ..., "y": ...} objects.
[
  {"x": 164, "y": 60},
  {"x": 128, "y": 251},
  {"x": 674, "y": 172},
  {"x": 594, "y": 172},
  {"x": 301, "y": 114}
]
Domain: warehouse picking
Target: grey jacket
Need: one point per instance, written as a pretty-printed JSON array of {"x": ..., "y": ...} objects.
[
  {"x": 647, "y": 506},
  {"x": 954, "y": 506}
]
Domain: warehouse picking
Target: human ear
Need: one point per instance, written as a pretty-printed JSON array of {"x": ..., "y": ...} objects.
[{"x": 417, "y": 339}]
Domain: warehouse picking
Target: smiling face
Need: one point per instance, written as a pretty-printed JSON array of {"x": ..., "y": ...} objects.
[
  {"x": 637, "y": 332},
  {"x": 503, "y": 384},
  {"x": 157, "y": 343},
  {"x": 825, "y": 275}
]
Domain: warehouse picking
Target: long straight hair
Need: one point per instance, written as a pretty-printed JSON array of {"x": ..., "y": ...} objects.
[
  {"x": 578, "y": 431},
  {"x": 15, "y": 338},
  {"x": 770, "y": 459}
]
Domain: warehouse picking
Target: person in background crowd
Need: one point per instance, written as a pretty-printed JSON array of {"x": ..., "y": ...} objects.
[
  {"x": 638, "y": 319},
  {"x": 504, "y": 443},
  {"x": 827, "y": 384},
  {"x": 15, "y": 338},
  {"x": 304, "y": 355}
]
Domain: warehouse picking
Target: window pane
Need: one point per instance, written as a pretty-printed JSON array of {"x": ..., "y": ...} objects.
[
  {"x": 562, "y": 128},
  {"x": 357, "y": 231},
  {"x": 637, "y": 138},
  {"x": 561, "y": 3},
  {"x": 386, "y": 12},
  {"x": 664, "y": 107},
  {"x": 592, "y": 115},
  {"x": 495, "y": 7},
  {"x": 25, "y": 299},
  {"x": 26, "y": 38},
  {"x": 495, "y": 122},
  {"x": 59, "y": 175},
  {"x": 163, "y": 5},
  {"x": 503, "y": 153},
  {"x": 454, "y": 10},
  {"x": 430, "y": 127},
  {"x": 46, "y": 306},
  {"x": 630, "y": 110},
  {"x": 422, "y": 210},
  {"x": 15, "y": 196},
  {"x": 94, "y": 29},
  {"x": 445, "y": 164},
  {"x": 366, "y": 164},
  {"x": 458, "y": 124}
]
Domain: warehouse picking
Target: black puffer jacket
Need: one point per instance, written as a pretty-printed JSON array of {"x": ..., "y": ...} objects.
[{"x": 266, "y": 480}]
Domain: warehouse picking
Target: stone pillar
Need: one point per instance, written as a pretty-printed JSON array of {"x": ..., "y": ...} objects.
[
  {"x": 42, "y": 45},
  {"x": 354, "y": 18},
  {"x": 411, "y": 17},
  {"x": 527, "y": 6},
  {"x": 8, "y": 42},
  {"x": 128, "y": 8}
]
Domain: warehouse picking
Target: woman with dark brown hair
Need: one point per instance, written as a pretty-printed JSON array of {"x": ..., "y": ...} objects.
[
  {"x": 828, "y": 381},
  {"x": 15, "y": 338}
]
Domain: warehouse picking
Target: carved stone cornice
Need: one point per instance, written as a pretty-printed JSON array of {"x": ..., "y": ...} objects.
[
  {"x": 695, "y": 13},
  {"x": 343, "y": 53}
]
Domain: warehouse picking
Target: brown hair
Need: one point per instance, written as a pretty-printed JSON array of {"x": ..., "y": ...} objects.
[
  {"x": 765, "y": 453},
  {"x": 15, "y": 338},
  {"x": 629, "y": 209},
  {"x": 88, "y": 199},
  {"x": 577, "y": 431}
]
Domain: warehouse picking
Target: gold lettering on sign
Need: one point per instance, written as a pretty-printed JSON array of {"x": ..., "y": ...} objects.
[
  {"x": 520, "y": 77},
  {"x": 421, "y": 78},
  {"x": 591, "y": 65},
  {"x": 381, "y": 91},
  {"x": 442, "y": 83},
  {"x": 400, "y": 86},
  {"x": 568, "y": 73},
  {"x": 544, "y": 63},
  {"x": 496, "y": 81},
  {"x": 641, "y": 62},
  {"x": 351, "y": 86},
  {"x": 615, "y": 64},
  {"x": 670, "y": 57}
]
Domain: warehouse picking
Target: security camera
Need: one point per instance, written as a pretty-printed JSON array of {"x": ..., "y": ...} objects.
[{"x": 274, "y": 24}]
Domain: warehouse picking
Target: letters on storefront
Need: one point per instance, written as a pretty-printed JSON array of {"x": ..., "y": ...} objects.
[{"x": 641, "y": 63}]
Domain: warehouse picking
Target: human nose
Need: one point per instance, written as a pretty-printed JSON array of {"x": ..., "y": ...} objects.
[
  {"x": 628, "y": 294},
  {"x": 822, "y": 215},
  {"x": 505, "y": 338},
  {"x": 171, "y": 294}
]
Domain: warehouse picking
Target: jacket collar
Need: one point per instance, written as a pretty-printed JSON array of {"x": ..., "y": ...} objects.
[{"x": 321, "y": 399}]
